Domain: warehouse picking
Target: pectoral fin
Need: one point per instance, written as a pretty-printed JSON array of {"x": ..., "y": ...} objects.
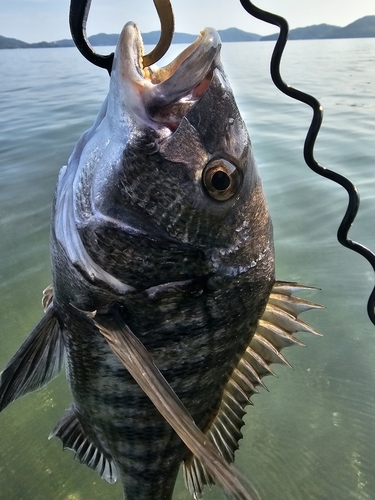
[
  {"x": 39, "y": 359},
  {"x": 139, "y": 363}
]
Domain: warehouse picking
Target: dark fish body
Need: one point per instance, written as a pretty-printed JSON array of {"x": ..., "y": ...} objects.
[
  {"x": 146, "y": 232},
  {"x": 153, "y": 227}
]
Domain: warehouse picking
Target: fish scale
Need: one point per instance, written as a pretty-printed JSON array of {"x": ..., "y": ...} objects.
[
  {"x": 164, "y": 305},
  {"x": 193, "y": 381},
  {"x": 136, "y": 443}
]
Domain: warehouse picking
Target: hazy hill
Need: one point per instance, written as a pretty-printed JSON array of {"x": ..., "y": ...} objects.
[
  {"x": 361, "y": 28},
  {"x": 102, "y": 39},
  {"x": 152, "y": 38},
  {"x": 236, "y": 35},
  {"x": 12, "y": 43},
  {"x": 307, "y": 33}
]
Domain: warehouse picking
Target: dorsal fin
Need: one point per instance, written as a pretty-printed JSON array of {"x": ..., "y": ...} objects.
[
  {"x": 274, "y": 332},
  {"x": 39, "y": 359},
  {"x": 70, "y": 431}
]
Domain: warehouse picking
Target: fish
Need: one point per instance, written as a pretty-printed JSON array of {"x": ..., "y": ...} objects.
[{"x": 164, "y": 308}]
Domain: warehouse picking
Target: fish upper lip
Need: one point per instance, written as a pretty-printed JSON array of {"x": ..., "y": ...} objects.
[{"x": 186, "y": 78}]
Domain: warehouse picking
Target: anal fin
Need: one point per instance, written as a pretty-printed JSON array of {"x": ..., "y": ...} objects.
[
  {"x": 274, "y": 332},
  {"x": 70, "y": 431},
  {"x": 39, "y": 359}
]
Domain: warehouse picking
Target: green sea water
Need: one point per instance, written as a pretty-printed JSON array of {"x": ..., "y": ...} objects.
[{"x": 313, "y": 435}]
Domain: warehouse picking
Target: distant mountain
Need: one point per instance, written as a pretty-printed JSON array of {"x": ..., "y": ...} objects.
[
  {"x": 308, "y": 33},
  {"x": 102, "y": 39},
  {"x": 13, "y": 43},
  {"x": 67, "y": 42},
  {"x": 361, "y": 28},
  {"x": 152, "y": 38},
  {"x": 177, "y": 38},
  {"x": 236, "y": 35}
]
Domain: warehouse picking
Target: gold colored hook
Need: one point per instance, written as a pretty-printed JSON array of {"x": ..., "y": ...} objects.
[{"x": 165, "y": 13}]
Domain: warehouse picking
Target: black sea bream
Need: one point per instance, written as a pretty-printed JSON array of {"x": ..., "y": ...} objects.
[{"x": 159, "y": 228}]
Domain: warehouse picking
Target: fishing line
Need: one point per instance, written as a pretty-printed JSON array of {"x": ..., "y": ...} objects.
[{"x": 308, "y": 151}]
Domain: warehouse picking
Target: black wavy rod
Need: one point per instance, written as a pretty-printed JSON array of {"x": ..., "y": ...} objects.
[{"x": 353, "y": 203}]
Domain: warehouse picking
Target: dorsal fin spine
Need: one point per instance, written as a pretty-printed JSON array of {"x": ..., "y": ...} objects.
[{"x": 275, "y": 331}]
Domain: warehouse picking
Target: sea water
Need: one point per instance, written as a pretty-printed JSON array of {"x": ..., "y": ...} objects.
[{"x": 313, "y": 435}]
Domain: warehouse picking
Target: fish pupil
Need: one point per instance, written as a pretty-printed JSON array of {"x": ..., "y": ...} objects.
[{"x": 220, "y": 180}]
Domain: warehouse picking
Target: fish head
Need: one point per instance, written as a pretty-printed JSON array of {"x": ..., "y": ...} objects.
[
  {"x": 188, "y": 167},
  {"x": 170, "y": 156}
]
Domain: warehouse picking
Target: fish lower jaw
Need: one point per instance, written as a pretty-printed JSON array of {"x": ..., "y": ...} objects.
[{"x": 163, "y": 95}]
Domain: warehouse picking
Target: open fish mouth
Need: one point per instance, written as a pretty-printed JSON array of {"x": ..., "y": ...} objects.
[{"x": 163, "y": 95}]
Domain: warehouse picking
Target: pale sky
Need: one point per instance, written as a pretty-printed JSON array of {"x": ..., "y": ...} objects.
[{"x": 38, "y": 20}]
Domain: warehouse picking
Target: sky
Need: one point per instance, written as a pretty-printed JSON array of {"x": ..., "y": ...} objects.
[{"x": 38, "y": 20}]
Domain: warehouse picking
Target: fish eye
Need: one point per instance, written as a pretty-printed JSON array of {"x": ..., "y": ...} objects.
[{"x": 221, "y": 179}]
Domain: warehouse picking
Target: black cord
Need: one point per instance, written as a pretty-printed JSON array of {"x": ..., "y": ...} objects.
[{"x": 353, "y": 204}]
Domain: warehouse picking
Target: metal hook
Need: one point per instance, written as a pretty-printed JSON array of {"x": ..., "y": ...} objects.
[
  {"x": 165, "y": 13},
  {"x": 78, "y": 14},
  {"x": 79, "y": 11}
]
